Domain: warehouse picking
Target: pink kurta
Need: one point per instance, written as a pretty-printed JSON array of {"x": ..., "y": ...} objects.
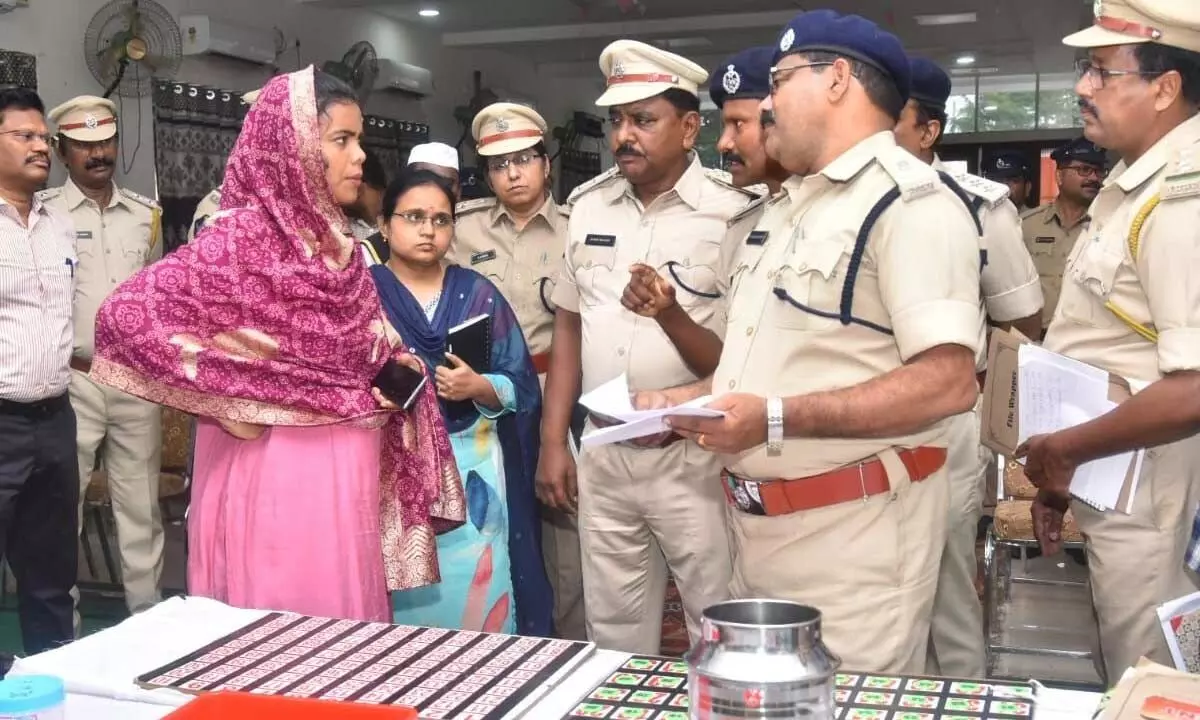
[{"x": 289, "y": 521}]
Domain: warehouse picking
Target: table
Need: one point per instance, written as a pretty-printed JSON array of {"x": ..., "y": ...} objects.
[{"x": 99, "y": 670}]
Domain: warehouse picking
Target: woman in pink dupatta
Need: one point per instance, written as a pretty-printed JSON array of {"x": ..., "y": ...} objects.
[{"x": 307, "y": 496}]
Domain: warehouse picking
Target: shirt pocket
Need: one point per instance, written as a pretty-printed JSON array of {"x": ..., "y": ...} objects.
[
  {"x": 1093, "y": 272},
  {"x": 593, "y": 268},
  {"x": 812, "y": 278},
  {"x": 696, "y": 283},
  {"x": 495, "y": 270}
]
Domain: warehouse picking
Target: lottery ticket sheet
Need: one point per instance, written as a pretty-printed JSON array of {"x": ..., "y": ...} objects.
[
  {"x": 655, "y": 688},
  {"x": 445, "y": 674}
]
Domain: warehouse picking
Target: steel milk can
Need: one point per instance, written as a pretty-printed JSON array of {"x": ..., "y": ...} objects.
[{"x": 761, "y": 659}]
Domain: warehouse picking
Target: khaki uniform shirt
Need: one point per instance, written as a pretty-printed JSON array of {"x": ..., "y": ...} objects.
[
  {"x": 919, "y": 278},
  {"x": 1155, "y": 288},
  {"x": 680, "y": 234},
  {"x": 1009, "y": 279},
  {"x": 738, "y": 231},
  {"x": 1050, "y": 242},
  {"x": 524, "y": 264},
  {"x": 209, "y": 204},
  {"x": 112, "y": 243}
]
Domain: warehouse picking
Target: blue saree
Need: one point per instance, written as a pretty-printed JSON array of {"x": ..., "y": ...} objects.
[{"x": 493, "y": 578}]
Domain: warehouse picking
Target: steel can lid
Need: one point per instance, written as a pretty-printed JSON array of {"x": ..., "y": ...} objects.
[{"x": 29, "y": 693}]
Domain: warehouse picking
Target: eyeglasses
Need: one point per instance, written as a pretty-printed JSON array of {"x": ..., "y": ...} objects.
[
  {"x": 417, "y": 218},
  {"x": 1098, "y": 76},
  {"x": 778, "y": 75},
  {"x": 520, "y": 160},
  {"x": 1088, "y": 171},
  {"x": 28, "y": 136}
]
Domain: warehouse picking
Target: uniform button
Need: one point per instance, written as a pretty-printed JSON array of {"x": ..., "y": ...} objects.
[
  {"x": 108, "y": 252},
  {"x": 803, "y": 266},
  {"x": 732, "y": 384},
  {"x": 749, "y": 331},
  {"x": 771, "y": 275},
  {"x": 621, "y": 352},
  {"x": 588, "y": 264},
  {"x": 518, "y": 276}
]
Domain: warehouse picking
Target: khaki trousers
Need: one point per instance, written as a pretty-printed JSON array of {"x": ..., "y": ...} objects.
[
  {"x": 869, "y": 566},
  {"x": 1135, "y": 561},
  {"x": 131, "y": 432},
  {"x": 560, "y": 551},
  {"x": 640, "y": 512},
  {"x": 956, "y": 635}
]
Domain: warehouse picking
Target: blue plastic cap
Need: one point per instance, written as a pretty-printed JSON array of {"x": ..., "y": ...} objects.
[{"x": 30, "y": 693}]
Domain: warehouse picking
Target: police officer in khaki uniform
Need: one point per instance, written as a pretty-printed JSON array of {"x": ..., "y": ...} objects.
[
  {"x": 1012, "y": 169},
  {"x": 117, "y": 233},
  {"x": 1051, "y": 229},
  {"x": 737, "y": 88},
  {"x": 516, "y": 238},
  {"x": 1130, "y": 305},
  {"x": 854, "y": 322},
  {"x": 211, "y": 202},
  {"x": 1012, "y": 297},
  {"x": 640, "y": 509}
]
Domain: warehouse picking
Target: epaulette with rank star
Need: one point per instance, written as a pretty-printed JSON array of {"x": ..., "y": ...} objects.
[
  {"x": 725, "y": 180},
  {"x": 141, "y": 199},
  {"x": 470, "y": 206},
  {"x": 992, "y": 193},
  {"x": 753, "y": 207},
  {"x": 602, "y": 179},
  {"x": 1182, "y": 177},
  {"x": 1026, "y": 214},
  {"x": 913, "y": 178},
  {"x": 48, "y": 193}
]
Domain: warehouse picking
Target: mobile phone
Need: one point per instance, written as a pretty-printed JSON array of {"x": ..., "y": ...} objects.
[{"x": 400, "y": 383}]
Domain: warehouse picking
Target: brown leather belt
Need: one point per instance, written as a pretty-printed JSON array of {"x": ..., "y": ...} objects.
[
  {"x": 83, "y": 366},
  {"x": 846, "y": 484},
  {"x": 601, "y": 421},
  {"x": 541, "y": 362}
]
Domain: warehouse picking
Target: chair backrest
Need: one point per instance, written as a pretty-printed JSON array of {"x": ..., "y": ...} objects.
[{"x": 1015, "y": 486}]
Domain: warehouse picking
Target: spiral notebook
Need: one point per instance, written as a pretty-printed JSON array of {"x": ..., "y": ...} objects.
[{"x": 471, "y": 341}]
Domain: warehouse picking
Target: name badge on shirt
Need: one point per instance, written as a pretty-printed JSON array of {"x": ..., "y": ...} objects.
[
  {"x": 83, "y": 234},
  {"x": 600, "y": 240},
  {"x": 1043, "y": 239},
  {"x": 484, "y": 256},
  {"x": 756, "y": 238}
]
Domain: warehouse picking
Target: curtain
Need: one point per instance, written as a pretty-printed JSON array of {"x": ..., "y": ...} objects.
[{"x": 195, "y": 128}]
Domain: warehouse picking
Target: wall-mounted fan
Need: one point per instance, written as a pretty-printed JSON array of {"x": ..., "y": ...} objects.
[
  {"x": 358, "y": 67},
  {"x": 129, "y": 44}
]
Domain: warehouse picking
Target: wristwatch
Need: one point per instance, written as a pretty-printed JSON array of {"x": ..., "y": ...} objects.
[{"x": 774, "y": 427}]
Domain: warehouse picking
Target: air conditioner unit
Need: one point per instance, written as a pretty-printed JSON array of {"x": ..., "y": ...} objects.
[
  {"x": 206, "y": 35},
  {"x": 404, "y": 78}
]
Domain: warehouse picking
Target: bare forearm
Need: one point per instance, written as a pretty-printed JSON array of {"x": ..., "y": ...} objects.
[
  {"x": 1167, "y": 411},
  {"x": 699, "y": 347},
  {"x": 1030, "y": 327},
  {"x": 485, "y": 395},
  {"x": 563, "y": 378},
  {"x": 934, "y": 385}
]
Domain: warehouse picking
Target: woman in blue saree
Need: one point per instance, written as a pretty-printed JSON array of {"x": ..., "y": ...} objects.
[{"x": 493, "y": 578}]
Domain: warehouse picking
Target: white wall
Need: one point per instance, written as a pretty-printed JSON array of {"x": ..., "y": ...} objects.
[{"x": 53, "y": 30}]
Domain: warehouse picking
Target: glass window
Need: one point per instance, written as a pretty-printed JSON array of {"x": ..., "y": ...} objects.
[
  {"x": 710, "y": 133},
  {"x": 1058, "y": 105},
  {"x": 960, "y": 106},
  {"x": 1007, "y": 102}
]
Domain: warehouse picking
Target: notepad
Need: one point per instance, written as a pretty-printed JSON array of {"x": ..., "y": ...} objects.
[
  {"x": 471, "y": 342},
  {"x": 612, "y": 400}
]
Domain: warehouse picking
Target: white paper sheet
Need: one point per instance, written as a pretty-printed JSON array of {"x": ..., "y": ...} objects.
[
  {"x": 612, "y": 400},
  {"x": 1055, "y": 393}
]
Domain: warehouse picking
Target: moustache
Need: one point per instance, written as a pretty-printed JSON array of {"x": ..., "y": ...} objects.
[
  {"x": 766, "y": 118},
  {"x": 98, "y": 163},
  {"x": 1088, "y": 107},
  {"x": 37, "y": 158},
  {"x": 731, "y": 158},
  {"x": 627, "y": 151}
]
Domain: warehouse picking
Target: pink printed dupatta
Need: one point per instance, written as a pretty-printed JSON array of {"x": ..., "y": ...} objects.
[{"x": 270, "y": 317}]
